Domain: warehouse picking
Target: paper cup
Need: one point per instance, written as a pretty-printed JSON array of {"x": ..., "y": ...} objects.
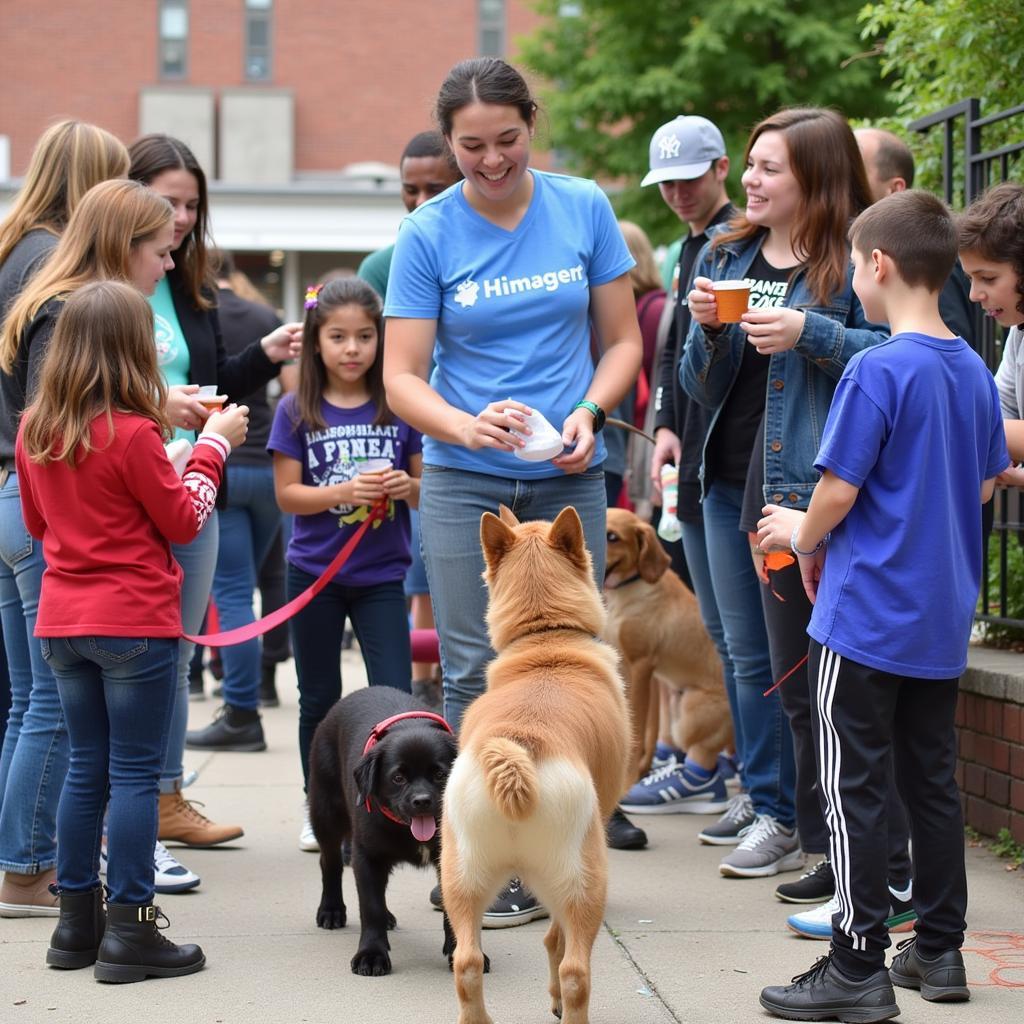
[
  {"x": 209, "y": 398},
  {"x": 732, "y": 299},
  {"x": 374, "y": 466}
]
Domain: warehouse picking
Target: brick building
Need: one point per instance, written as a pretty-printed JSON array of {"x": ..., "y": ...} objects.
[{"x": 298, "y": 111}]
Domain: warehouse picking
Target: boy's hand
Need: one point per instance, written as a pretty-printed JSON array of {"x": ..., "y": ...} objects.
[
  {"x": 775, "y": 530},
  {"x": 232, "y": 423},
  {"x": 771, "y": 330},
  {"x": 397, "y": 484},
  {"x": 810, "y": 572}
]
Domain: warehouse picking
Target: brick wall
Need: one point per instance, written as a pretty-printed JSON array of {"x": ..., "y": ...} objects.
[{"x": 990, "y": 727}]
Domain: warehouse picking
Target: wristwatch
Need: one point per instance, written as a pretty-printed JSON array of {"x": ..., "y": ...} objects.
[{"x": 592, "y": 407}]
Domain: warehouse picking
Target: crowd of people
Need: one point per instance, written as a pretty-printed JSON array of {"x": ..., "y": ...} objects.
[{"x": 821, "y": 441}]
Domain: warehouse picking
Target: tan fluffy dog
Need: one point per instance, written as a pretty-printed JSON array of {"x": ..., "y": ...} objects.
[
  {"x": 655, "y": 623},
  {"x": 544, "y": 758}
]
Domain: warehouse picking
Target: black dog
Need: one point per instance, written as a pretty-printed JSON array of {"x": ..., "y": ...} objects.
[{"x": 385, "y": 796}]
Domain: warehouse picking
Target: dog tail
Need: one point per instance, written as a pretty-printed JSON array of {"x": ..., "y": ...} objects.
[{"x": 510, "y": 777}]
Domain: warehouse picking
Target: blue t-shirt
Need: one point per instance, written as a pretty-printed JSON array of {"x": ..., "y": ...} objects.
[
  {"x": 512, "y": 307},
  {"x": 332, "y": 456},
  {"x": 915, "y": 424}
]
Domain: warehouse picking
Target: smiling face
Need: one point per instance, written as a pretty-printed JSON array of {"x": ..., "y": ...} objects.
[
  {"x": 347, "y": 344},
  {"x": 994, "y": 286},
  {"x": 491, "y": 143},
  {"x": 180, "y": 188},
  {"x": 773, "y": 192},
  {"x": 150, "y": 259}
]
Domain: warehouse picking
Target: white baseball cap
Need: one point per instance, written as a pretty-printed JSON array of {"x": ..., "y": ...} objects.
[{"x": 684, "y": 148}]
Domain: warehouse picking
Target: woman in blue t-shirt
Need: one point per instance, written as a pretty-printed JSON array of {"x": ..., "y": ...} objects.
[{"x": 505, "y": 271}]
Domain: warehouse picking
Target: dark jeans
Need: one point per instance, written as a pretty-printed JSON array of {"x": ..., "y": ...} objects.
[
  {"x": 117, "y": 694},
  {"x": 381, "y": 626},
  {"x": 276, "y": 647}
]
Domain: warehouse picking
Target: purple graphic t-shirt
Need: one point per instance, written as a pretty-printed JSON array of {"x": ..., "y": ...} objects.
[{"x": 332, "y": 456}]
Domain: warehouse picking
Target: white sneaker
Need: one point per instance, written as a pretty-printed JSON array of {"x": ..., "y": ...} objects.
[
  {"x": 765, "y": 849},
  {"x": 169, "y": 874},
  {"x": 307, "y": 837},
  {"x": 815, "y": 923}
]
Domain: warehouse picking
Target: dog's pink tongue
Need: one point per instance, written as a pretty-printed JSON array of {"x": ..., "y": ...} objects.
[{"x": 423, "y": 827}]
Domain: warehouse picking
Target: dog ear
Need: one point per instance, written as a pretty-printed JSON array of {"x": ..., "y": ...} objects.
[
  {"x": 566, "y": 535},
  {"x": 496, "y": 538},
  {"x": 367, "y": 774},
  {"x": 652, "y": 560},
  {"x": 507, "y": 516}
]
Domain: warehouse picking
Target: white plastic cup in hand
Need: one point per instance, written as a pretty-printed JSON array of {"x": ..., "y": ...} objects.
[
  {"x": 544, "y": 442},
  {"x": 208, "y": 397},
  {"x": 374, "y": 466},
  {"x": 669, "y": 527}
]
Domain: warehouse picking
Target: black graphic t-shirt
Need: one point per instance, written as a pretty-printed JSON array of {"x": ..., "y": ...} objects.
[{"x": 732, "y": 439}]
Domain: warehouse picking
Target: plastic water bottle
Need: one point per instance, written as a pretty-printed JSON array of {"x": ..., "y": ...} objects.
[{"x": 669, "y": 527}]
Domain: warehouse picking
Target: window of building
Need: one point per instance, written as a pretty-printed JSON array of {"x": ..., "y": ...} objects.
[
  {"x": 257, "y": 39},
  {"x": 492, "y": 28},
  {"x": 173, "y": 38}
]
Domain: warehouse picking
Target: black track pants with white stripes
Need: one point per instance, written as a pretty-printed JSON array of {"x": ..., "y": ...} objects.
[{"x": 861, "y": 714}]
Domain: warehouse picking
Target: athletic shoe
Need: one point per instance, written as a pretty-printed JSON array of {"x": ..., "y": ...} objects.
[
  {"x": 729, "y": 768},
  {"x": 307, "y": 837},
  {"x": 942, "y": 979},
  {"x": 664, "y": 754},
  {"x": 622, "y": 834},
  {"x": 195, "y": 687},
  {"x": 825, "y": 993},
  {"x": 814, "y": 886},
  {"x": 766, "y": 849},
  {"x": 515, "y": 905},
  {"x": 232, "y": 729},
  {"x": 817, "y": 923},
  {"x": 731, "y": 826},
  {"x": 670, "y": 790},
  {"x": 169, "y": 874},
  {"x": 30, "y": 895},
  {"x": 188, "y": 778}
]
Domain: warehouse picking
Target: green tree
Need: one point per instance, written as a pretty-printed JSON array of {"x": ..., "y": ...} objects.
[{"x": 618, "y": 69}]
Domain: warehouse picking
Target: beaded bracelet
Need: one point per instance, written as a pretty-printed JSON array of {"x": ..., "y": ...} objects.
[{"x": 807, "y": 554}]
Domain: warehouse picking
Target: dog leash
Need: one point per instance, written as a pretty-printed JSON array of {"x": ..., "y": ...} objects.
[
  {"x": 773, "y": 688},
  {"x": 251, "y": 630},
  {"x": 623, "y": 425}
]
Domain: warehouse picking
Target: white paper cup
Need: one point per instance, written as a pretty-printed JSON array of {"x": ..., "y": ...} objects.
[
  {"x": 208, "y": 396},
  {"x": 374, "y": 465}
]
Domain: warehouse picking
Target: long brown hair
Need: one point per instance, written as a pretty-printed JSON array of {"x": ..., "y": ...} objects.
[
  {"x": 101, "y": 359},
  {"x": 151, "y": 155},
  {"x": 97, "y": 244},
  {"x": 342, "y": 291},
  {"x": 70, "y": 157},
  {"x": 829, "y": 169},
  {"x": 644, "y": 277}
]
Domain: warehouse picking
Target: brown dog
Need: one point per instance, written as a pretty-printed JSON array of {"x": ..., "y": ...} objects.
[
  {"x": 543, "y": 759},
  {"x": 655, "y": 623}
]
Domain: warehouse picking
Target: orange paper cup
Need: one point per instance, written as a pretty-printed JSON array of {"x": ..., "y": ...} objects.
[{"x": 732, "y": 299}]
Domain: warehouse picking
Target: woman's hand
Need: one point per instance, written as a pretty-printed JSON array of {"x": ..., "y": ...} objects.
[
  {"x": 283, "y": 343},
  {"x": 667, "y": 448},
  {"x": 492, "y": 426},
  {"x": 771, "y": 330},
  {"x": 702, "y": 305},
  {"x": 232, "y": 423},
  {"x": 397, "y": 485},
  {"x": 775, "y": 530},
  {"x": 183, "y": 409},
  {"x": 578, "y": 431}
]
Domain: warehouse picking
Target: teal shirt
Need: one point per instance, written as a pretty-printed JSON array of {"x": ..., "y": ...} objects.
[
  {"x": 171, "y": 348},
  {"x": 374, "y": 270}
]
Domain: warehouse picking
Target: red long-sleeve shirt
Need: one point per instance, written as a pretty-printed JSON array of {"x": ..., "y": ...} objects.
[{"x": 107, "y": 525}]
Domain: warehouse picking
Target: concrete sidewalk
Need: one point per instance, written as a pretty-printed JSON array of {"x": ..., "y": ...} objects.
[{"x": 680, "y": 942}]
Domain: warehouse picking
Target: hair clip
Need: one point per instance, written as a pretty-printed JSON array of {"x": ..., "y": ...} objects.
[{"x": 312, "y": 293}]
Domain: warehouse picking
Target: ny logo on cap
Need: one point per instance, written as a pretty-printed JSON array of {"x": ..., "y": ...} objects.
[{"x": 668, "y": 147}]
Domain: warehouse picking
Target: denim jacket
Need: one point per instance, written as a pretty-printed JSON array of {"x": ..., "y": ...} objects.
[{"x": 801, "y": 381}]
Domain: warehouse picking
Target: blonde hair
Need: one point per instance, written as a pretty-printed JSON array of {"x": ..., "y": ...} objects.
[
  {"x": 111, "y": 219},
  {"x": 101, "y": 358},
  {"x": 70, "y": 157},
  {"x": 644, "y": 277}
]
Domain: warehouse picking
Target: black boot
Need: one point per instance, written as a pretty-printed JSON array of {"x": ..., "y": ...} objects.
[
  {"x": 622, "y": 834},
  {"x": 268, "y": 688},
  {"x": 79, "y": 931},
  {"x": 238, "y": 729},
  {"x": 134, "y": 948}
]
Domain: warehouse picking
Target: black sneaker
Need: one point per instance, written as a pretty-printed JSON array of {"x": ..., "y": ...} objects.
[
  {"x": 825, "y": 993},
  {"x": 195, "y": 687},
  {"x": 622, "y": 834},
  {"x": 940, "y": 980},
  {"x": 515, "y": 905},
  {"x": 268, "y": 687},
  {"x": 233, "y": 729},
  {"x": 815, "y": 886}
]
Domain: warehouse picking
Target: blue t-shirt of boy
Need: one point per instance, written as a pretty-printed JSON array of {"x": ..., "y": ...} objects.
[
  {"x": 915, "y": 424},
  {"x": 333, "y": 455},
  {"x": 512, "y": 307}
]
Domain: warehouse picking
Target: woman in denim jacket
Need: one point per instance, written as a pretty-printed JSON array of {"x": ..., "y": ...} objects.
[{"x": 769, "y": 381}]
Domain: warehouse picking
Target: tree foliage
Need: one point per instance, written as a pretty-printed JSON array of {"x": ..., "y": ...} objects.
[{"x": 618, "y": 69}]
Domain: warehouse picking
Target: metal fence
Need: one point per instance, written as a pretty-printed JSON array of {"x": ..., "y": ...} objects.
[{"x": 968, "y": 168}]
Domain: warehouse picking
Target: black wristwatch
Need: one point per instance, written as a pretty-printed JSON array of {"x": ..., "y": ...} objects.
[{"x": 597, "y": 411}]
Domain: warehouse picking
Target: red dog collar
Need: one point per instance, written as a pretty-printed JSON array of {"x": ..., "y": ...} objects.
[{"x": 377, "y": 732}]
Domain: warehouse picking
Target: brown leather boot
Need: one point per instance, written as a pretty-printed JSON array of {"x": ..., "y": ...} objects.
[
  {"x": 29, "y": 895},
  {"x": 180, "y": 822}
]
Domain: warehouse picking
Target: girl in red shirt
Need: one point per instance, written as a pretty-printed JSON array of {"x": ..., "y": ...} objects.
[{"x": 100, "y": 493}]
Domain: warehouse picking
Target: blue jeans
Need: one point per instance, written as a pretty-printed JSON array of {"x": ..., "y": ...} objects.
[
  {"x": 381, "y": 626},
  {"x": 117, "y": 694},
  {"x": 451, "y": 503},
  {"x": 198, "y": 561},
  {"x": 769, "y": 772},
  {"x": 695, "y": 548},
  {"x": 34, "y": 760},
  {"x": 247, "y": 529}
]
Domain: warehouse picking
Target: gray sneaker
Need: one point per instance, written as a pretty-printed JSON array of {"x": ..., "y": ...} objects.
[
  {"x": 765, "y": 849},
  {"x": 730, "y": 827}
]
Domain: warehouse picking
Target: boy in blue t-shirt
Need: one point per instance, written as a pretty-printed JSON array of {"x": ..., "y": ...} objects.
[{"x": 910, "y": 450}]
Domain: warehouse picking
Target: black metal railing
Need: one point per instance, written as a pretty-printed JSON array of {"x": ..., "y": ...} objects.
[{"x": 968, "y": 168}]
